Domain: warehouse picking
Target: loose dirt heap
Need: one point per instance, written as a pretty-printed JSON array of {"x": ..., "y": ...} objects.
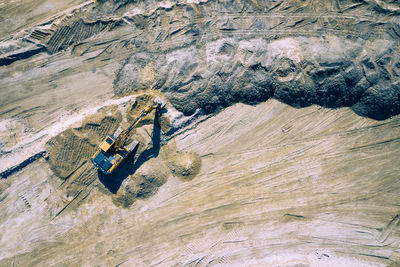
[
  {"x": 154, "y": 172},
  {"x": 142, "y": 184},
  {"x": 216, "y": 55},
  {"x": 357, "y": 73},
  {"x": 230, "y": 57},
  {"x": 185, "y": 165}
]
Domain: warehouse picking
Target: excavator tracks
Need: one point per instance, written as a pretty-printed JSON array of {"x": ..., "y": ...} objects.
[
  {"x": 67, "y": 152},
  {"x": 77, "y": 188}
]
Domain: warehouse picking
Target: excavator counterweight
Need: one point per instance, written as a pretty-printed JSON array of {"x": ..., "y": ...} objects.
[{"x": 114, "y": 150}]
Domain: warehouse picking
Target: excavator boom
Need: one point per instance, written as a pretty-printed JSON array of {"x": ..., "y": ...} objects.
[
  {"x": 113, "y": 150},
  {"x": 157, "y": 104}
]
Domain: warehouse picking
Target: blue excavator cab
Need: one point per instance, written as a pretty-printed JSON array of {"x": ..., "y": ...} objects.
[{"x": 107, "y": 160}]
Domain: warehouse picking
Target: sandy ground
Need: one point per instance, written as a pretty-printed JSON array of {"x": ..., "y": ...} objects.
[
  {"x": 277, "y": 186},
  {"x": 17, "y": 15},
  {"x": 272, "y": 185}
]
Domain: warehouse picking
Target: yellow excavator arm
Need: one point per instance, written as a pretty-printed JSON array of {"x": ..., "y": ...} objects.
[{"x": 157, "y": 104}]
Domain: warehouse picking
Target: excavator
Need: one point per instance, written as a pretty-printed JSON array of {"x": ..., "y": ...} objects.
[{"x": 114, "y": 150}]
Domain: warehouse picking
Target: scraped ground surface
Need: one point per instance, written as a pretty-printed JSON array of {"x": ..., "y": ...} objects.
[{"x": 297, "y": 178}]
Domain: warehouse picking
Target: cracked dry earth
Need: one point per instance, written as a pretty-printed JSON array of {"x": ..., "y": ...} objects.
[{"x": 280, "y": 145}]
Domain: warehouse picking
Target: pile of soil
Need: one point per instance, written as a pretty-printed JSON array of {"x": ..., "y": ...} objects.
[
  {"x": 185, "y": 165},
  {"x": 136, "y": 108},
  {"x": 70, "y": 151},
  {"x": 143, "y": 184}
]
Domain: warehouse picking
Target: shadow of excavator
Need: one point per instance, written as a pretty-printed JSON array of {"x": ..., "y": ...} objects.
[{"x": 113, "y": 181}]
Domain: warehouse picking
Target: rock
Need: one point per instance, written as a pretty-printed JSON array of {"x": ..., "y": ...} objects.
[
  {"x": 379, "y": 102},
  {"x": 332, "y": 92}
]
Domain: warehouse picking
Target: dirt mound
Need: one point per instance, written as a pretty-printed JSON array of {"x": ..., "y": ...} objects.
[
  {"x": 143, "y": 184},
  {"x": 70, "y": 151},
  {"x": 123, "y": 199},
  {"x": 185, "y": 165},
  {"x": 154, "y": 172},
  {"x": 136, "y": 108},
  {"x": 73, "y": 147},
  {"x": 139, "y": 186},
  {"x": 300, "y": 60}
]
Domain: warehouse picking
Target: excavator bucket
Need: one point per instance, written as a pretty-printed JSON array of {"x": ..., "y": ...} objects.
[{"x": 158, "y": 101}]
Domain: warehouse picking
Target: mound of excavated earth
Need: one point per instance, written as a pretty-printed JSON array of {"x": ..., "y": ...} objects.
[{"x": 279, "y": 145}]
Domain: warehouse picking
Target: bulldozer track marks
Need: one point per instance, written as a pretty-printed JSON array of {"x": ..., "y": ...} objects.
[
  {"x": 74, "y": 29},
  {"x": 107, "y": 124},
  {"x": 71, "y": 154},
  {"x": 69, "y": 157},
  {"x": 67, "y": 35},
  {"x": 71, "y": 149},
  {"x": 119, "y": 49},
  {"x": 26, "y": 202},
  {"x": 88, "y": 176},
  {"x": 39, "y": 35},
  {"x": 66, "y": 206},
  {"x": 84, "y": 178},
  {"x": 389, "y": 228},
  {"x": 256, "y": 175},
  {"x": 78, "y": 31},
  {"x": 66, "y": 178}
]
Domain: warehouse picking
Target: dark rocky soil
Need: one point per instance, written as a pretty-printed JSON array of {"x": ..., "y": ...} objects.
[{"x": 249, "y": 54}]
